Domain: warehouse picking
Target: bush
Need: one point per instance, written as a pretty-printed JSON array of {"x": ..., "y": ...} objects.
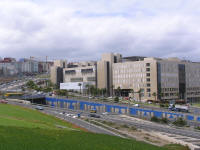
[
  {"x": 155, "y": 119},
  {"x": 162, "y": 105},
  {"x": 197, "y": 128},
  {"x": 180, "y": 122},
  {"x": 124, "y": 126},
  {"x": 164, "y": 120},
  {"x": 116, "y": 99}
]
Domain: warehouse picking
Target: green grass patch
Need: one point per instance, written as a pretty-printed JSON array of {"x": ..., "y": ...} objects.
[
  {"x": 25, "y": 129},
  {"x": 22, "y": 117}
]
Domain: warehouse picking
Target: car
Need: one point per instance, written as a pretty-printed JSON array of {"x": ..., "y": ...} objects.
[
  {"x": 136, "y": 105},
  {"x": 94, "y": 115},
  {"x": 62, "y": 113},
  {"x": 39, "y": 108},
  {"x": 93, "y": 110},
  {"x": 105, "y": 113},
  {"x": 3, "y": 102},
  {"x": 74, "y": 116}
]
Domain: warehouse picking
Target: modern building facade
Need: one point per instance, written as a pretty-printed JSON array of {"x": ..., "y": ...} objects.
[
  {"x": 158, "y": 79},
  {"x": 56, "y": 71},
  {"x": 143, "y": 78},
  {"x": 105, "y": 71}
]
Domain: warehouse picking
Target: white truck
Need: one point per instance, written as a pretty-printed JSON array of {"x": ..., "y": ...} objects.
[{"x": 179, "y": 108}]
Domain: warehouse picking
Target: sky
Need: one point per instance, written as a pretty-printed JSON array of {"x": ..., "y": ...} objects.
[{"x": 84, "y": 29}]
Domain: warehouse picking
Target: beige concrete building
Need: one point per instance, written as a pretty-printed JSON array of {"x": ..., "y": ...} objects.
[
  {"x": 105, "y": 71},
  {"x": 156, "y": 78},
  {"x": 80, "y": 74},
  {"x": 56, "y": 71},
  {"x": 145, "y": 78}
]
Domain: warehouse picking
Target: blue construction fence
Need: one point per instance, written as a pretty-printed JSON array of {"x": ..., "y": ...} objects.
[{"x": 86, "y": 106}]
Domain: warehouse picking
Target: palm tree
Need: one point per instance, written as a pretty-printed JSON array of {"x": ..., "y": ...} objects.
[
  {"x": 154, "y": 94},
  {"x": 88, "y": 88},
  {"x": 112, "y": 87},
  {"x": 119, "y": 91},
  {"x": 79, "y": 84},
  {"x": 139, "y": 92}
]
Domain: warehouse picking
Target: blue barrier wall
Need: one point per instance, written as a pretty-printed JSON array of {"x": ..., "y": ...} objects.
[{"x": 85, "y": 105}]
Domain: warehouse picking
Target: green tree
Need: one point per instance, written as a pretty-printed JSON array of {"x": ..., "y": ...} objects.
[
  {"x": 154, "y": 94},
  {"x": 116, "y": 100},
  {"x": 88, "y": 89},
  {"x": 140, "y": 93},
  {"x": 118, "y": 91},
  {"x": 79, "y": 84}
]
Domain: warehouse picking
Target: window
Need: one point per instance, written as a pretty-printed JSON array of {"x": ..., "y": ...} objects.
[
  {"x": 90, "y": 70},
  {"x": 148, "y": 79},
  {"x": 148, "y": 85},
  {"x": 91, "y": 79},
  {"x": 147, "y": 64},
  {"x": 148, "y": 74},
  {"x": 149, "y": 94},
  {"x": 76, "y": 79},
  {"x": 147, "y": 69},
  {"x": 70, "y": 72},
  {"x": 148, "y": 90}
]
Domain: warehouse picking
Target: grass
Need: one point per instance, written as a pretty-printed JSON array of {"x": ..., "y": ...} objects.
[
  {"x": 25, "y": 129},
  {"x": 21, "y": 117},
  {"x": 196, "y": 104}
]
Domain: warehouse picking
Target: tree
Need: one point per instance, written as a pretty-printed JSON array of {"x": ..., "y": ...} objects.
[
  {"x": 139, "y": 93},
  {"x": 112, "y": 87},
  {"x": 119, "y": 91},
  {"x": 79, "y": 84},
  {"x": 116, "y": 100},
  {"x": 88, "y": 88},
  {"x": 154, "y": 94}
]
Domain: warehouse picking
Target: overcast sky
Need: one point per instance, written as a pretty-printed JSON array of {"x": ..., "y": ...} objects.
[{"x": 83, "y": 29}]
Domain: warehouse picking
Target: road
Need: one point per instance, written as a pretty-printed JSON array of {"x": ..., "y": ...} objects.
[
  {"x": 72, "y": 119},
  {"x": 142, "y": 124}
]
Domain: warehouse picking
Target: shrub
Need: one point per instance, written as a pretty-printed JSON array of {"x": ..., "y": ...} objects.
[
  {"x": 124, "y": 126},
  {"x": 155, "y": 119},
  {"x": 164, "y": 120},
  {"x": 162, "y": 105},
  {"x": 116, "y": 99},
  {"x": 197, "y": 128},
  {"x": 180, "y": 122}
]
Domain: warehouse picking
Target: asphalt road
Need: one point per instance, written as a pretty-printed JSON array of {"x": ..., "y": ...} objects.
[
  {"x": 146, "y": 125},
  {"x": 72, "y": 119}
]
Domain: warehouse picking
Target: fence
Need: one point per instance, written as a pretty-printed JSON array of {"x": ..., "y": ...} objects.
[{"x": 86, "y": 106}]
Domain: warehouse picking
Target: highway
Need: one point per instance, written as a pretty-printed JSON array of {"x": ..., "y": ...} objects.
[
  {"x": 72, "y": 118},
  {"x": 139, "y": 123}
]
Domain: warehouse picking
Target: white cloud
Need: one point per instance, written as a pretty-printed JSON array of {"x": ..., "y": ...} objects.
[{"x": 76, "y": 29}]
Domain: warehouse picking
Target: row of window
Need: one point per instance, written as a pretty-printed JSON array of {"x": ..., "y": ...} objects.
[
  {"x": 81, "y": 79},
  {"x": 193, "y": 93},
  {"x": 169, "y": 89}
]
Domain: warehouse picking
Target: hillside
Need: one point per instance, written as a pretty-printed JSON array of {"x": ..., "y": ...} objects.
[{"x": 25, "y": 129}]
